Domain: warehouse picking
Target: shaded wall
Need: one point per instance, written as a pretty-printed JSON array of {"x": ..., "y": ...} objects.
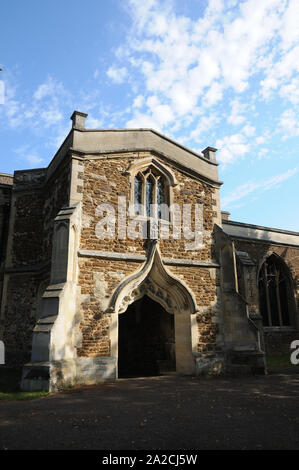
[{"x": 278, "y": 340}]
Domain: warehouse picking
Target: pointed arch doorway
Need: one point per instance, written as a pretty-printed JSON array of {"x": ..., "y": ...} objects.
[
  {"x": 171, "y": 295},
  {"x": 146, "y": 340}
]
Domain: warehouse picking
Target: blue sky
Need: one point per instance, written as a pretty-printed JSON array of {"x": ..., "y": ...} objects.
[{"x": 220, "y": 73}]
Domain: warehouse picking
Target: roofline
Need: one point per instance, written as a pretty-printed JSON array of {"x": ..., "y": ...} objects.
[
  {"x": 71, "y": 132},
  {"x": 145, "y": 129},
  {"x": 30, "y": 170},
  {"x": 259, "y": 227}
]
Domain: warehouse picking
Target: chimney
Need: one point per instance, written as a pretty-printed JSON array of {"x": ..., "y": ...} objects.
[
  {"x": 225, "y": 215},
  {"x": 78, "y": 119},
  {"x": 209, "y": 154}
]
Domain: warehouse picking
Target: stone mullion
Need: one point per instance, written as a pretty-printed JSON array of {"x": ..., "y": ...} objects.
[
  {"x": 166, "y": 193},
  {"x": 267, "y": 295},
  {"x": 278, "y": 296}
]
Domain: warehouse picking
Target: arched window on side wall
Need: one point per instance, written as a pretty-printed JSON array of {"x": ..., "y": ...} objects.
[{"x": 274, "y": 292}]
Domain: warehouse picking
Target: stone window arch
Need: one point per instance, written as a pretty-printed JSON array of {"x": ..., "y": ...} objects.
[
  {"x": 275, "y": 293},
  {"x": 151, "y": 189},
  {"x": 151, "y": 194}
]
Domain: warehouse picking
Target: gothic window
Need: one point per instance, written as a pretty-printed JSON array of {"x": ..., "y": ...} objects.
[
  {"x": 274, "y": 293},
  {"x": 151, "y": 194}
]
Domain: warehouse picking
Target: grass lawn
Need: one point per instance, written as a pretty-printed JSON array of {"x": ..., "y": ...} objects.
[
  {"x": 21, "y": 395},
  {"x": 279, "y": 360},
  {"x": 10, "y": 386}
]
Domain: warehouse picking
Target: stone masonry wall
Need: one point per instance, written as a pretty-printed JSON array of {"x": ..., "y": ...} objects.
[
  {"x": 98, "y": 279},
  {"x": 20, "y": 316},
  {"x": 35, "y": 207},
  {"x": 35, "y": 210},
  {"x": 203, "y": 283},
  {"x": 5, "y": 202},
  {"x": 105, "y": 180},
  {"x": 28, "y": 229}
]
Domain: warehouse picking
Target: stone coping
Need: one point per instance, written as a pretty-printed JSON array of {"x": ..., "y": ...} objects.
[
  {"x": 6, "y": 179},
  {"x": 259, "y": 227},
  {"x": 259, "y": 233},
  {"x": 145, "y": 129}
]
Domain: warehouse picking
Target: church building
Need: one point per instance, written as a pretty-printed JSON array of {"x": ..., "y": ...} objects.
[{"x": 116, "y": 261}]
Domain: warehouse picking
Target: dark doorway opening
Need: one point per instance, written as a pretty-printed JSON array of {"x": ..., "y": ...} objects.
[{"x": 146, "y": 340}]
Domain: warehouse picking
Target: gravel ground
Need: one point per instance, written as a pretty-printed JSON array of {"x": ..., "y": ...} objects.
[{"x": 159, "y": 413}]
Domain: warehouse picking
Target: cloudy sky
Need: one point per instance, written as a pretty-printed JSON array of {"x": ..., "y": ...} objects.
[{"x": 220, "y": 73}]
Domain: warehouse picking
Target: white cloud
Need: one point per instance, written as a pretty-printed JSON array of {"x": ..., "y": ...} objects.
[
  {"x": 159, "y": 115},
  {"x": 245, "y": 189},
  {"x": 190, "y": 64},
  {"x": 276, "y": 180},
  {"x": 290, "y": 90},
  {"x": 43, "y": 109},
  {"x": 48, "y": 89},
  {"x": 204, "y": 124},
  {"x": 162, "y": 113},
  {"x": 141, "y": 11},
  {"x": 117, "y": 75},
  {"x": 60, "y": 135},
  {"x": 34, "y": 160},
  {"x": 29, "y": 157},
  {"x": 138, "y": 101},
  {"x": 289, "y": 123},
  {"x": 232, "y": 148},
  {"x": 51, "y": 116},
  {"x": 263, "y": 153},
  {"x": 213, "y": 95},
  {"x": 93, "y": 123},
  {"x": 140, "y": 120},
  {"x": 289, "y": 28},
  {"x": 236, "y": 117},
  {"x": 191, "y": 75},
  {"x": 281, "y": 71},
  {"x": 249, "y": 130},
  {"x": 261, "y": 139}
]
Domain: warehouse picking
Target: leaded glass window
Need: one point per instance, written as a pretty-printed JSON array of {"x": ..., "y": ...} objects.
[
  {"x": 160, "y": 197},
  {"x": 273, "y": 292},
  {"x": 151, "y": 194},
  {"x": 138, "y": 194}
]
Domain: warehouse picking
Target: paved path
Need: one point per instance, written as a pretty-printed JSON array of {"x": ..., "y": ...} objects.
[{"x": 257, "y": 412}]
